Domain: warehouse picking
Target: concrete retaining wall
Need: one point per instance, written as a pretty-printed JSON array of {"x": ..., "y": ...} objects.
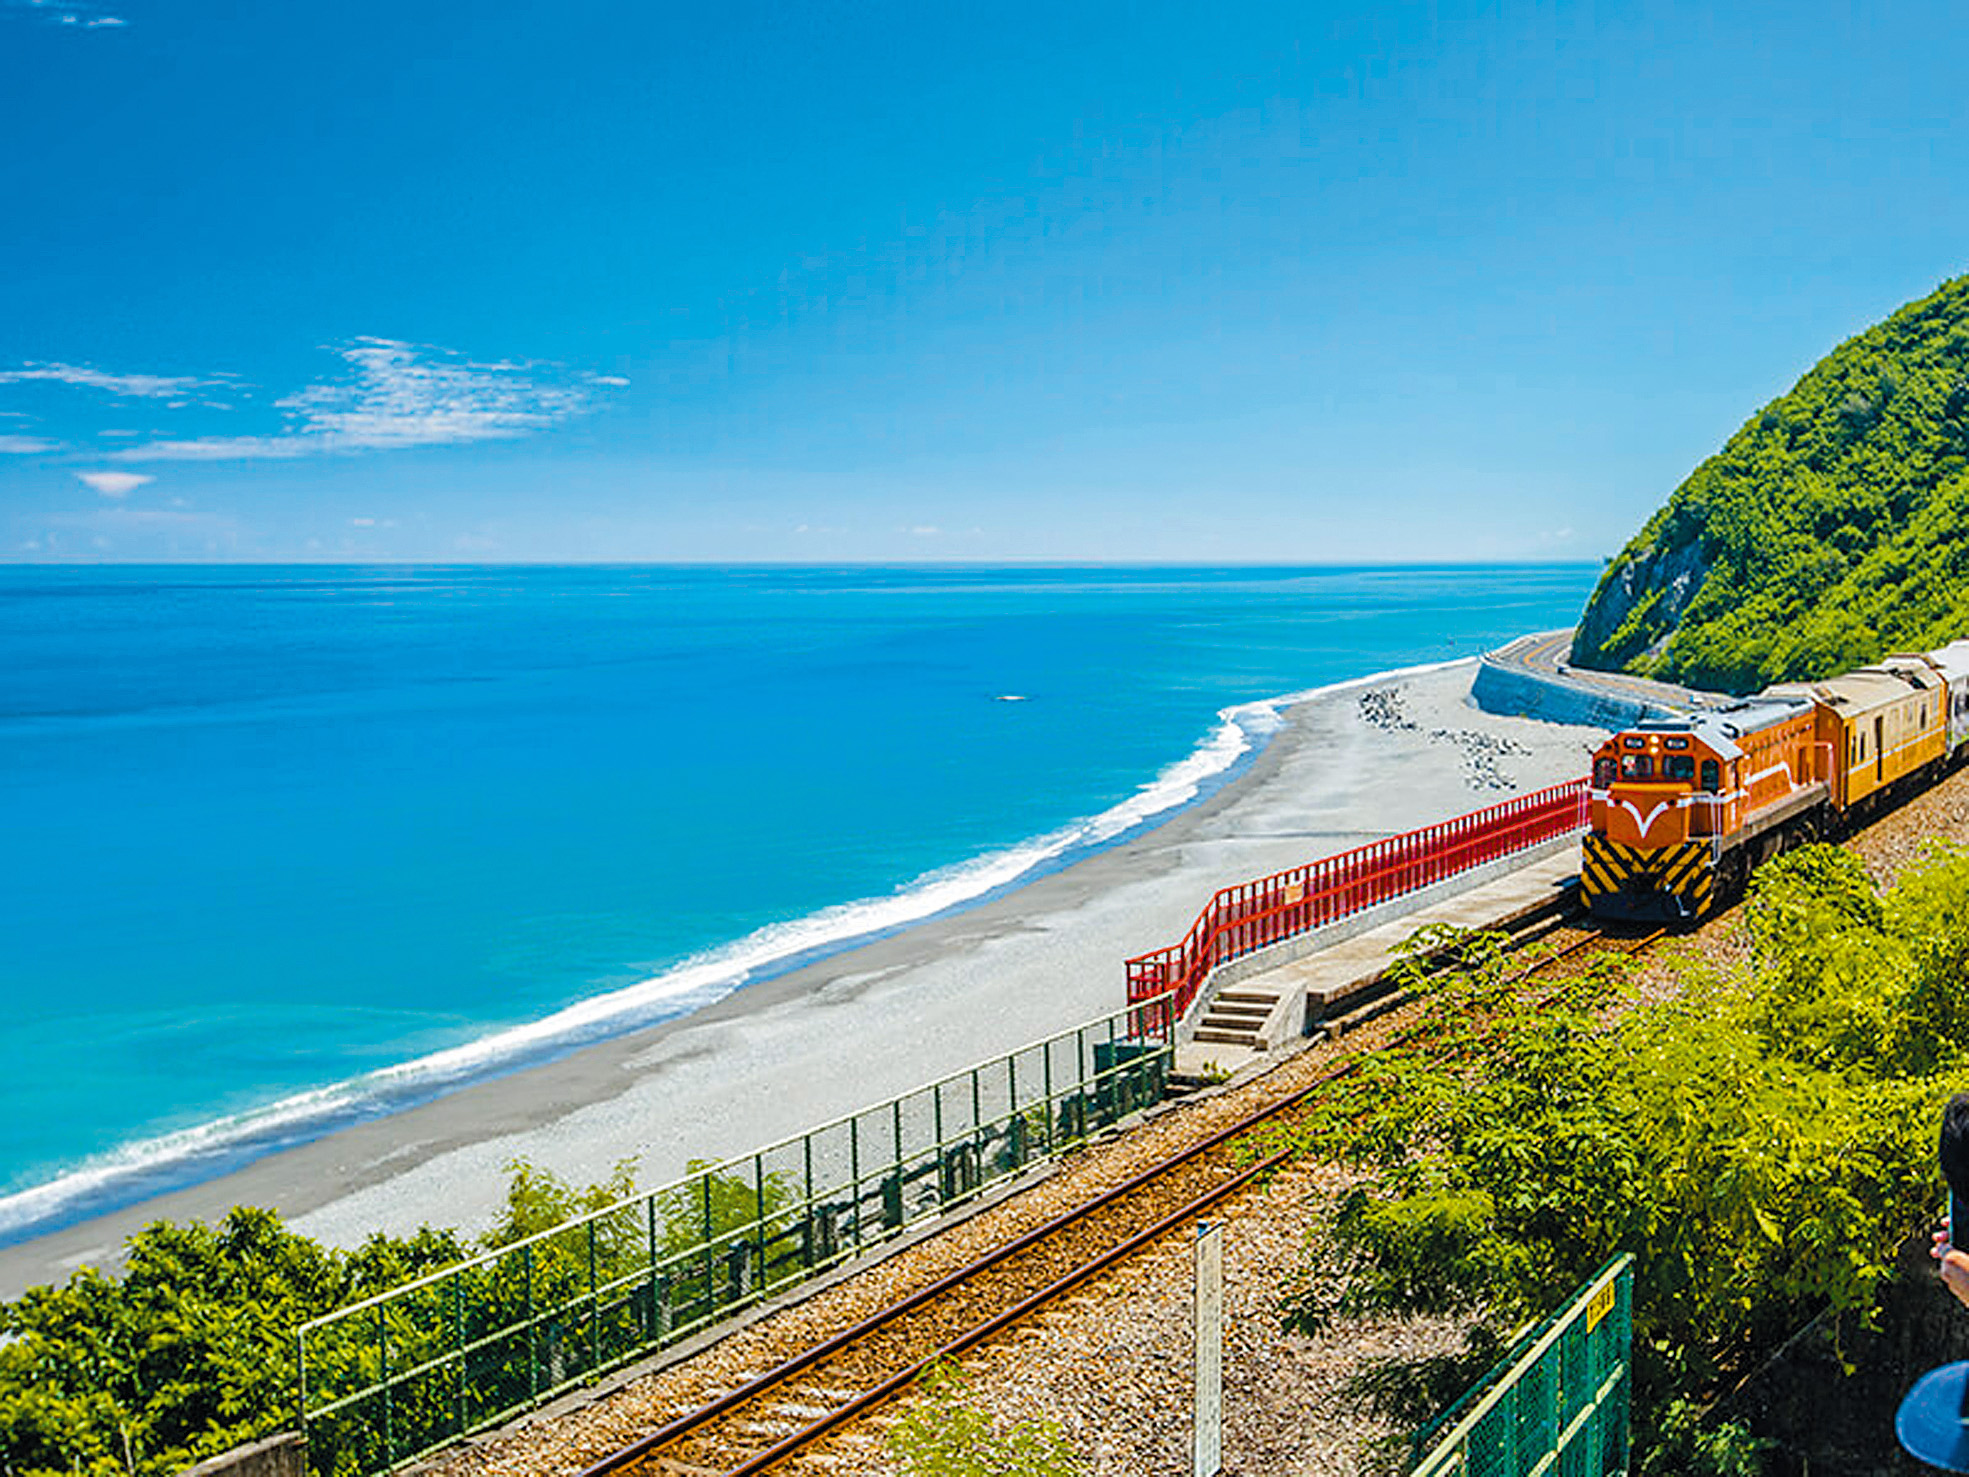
[
  {"x": 1512, "y": 692},
  {"x": 285, "y": 1455}
]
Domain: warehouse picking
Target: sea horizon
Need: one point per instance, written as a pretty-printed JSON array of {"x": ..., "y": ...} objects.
[{"x": 982, "y": 725}]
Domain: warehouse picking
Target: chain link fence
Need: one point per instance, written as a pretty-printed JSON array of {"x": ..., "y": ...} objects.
[
  {"x": 1557, "y": 1403},
  {"x": 390, "y": 1379}
]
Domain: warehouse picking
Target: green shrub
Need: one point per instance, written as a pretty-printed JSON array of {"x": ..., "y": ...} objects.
[
  {"x": 942, "y": 1435},
  {"x": 1761, "y": 1143},
  {"x": 189, "y": 1351}
]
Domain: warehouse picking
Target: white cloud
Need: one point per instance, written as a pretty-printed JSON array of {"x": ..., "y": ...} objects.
[
  {"x": 153, "y": 386},
  {"x": 24, "y": 445},
  {"x": 362, "y": 523},
  {"x": 114, "y": 484},
  {"x": 400, "y": 395},
  {"x": 64, "y": 13}
]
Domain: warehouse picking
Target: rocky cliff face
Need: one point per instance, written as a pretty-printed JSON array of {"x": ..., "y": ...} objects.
[
  {"x": 1640, "y": 599},
  {"x": 1831, "y": 529}
]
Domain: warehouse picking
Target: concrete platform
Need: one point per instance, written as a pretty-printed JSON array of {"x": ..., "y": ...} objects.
[{"x": 1242, "y": 1020}]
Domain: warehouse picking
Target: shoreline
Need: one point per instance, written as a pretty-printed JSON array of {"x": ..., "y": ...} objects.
[{"x": 783, "y": 1053}]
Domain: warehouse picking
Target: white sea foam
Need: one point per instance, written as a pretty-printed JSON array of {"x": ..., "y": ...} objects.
[{"x": 151, "y": 1166}]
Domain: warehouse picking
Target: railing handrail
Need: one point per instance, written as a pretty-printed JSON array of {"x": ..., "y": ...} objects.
[
  {"x": 1495, "y": 1387},
  {"x": 1177, "y": 968},
  {"x": 724, "y": 1166}
]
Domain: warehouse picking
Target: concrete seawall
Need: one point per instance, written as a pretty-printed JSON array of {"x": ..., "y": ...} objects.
[{"x": 1513, "y": 692}]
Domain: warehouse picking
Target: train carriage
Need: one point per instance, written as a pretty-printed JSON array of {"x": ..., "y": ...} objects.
[
  {"x": 1682, "y": 809},
  {"x": 1952, "y": 663},
  {"x": 1881, "y": 723}
]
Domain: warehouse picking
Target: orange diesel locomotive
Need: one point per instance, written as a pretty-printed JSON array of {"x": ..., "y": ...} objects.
[{"x": 1683, "y": 808}]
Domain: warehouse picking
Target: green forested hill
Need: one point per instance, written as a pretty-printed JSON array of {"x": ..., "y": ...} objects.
[{"x": 1831, "y": 529}]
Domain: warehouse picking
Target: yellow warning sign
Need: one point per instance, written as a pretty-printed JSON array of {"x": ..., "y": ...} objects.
[{"x": 1601, "y": 1305}]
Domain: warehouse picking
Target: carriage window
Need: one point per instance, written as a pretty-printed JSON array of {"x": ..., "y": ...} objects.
[
  {"x": 1602, "y": 773},
  {"x": 1712, "y": 776},
  {"x": 1636, "y": 767}
]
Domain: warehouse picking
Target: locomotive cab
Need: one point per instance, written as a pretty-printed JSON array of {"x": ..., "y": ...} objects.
[
  {"x": 1672, "y": 799},
  {"x": 1659, "y": 792},
  {"x": 1653, "y": 788}
]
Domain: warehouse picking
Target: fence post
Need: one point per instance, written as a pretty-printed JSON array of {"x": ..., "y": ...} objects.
[
  {"x": 710, "y": 1253},
  {"x": 656, "y": 1329},
  {"x": 759, "y": 1219},
  {"x": 936, "y": 1101},
  {"x": 594, "y": 1304},
  {"x": 389, "y": 1393},
  {"x": 458, "y": 1339},
  {"x": 532, "y": 1329},
  {"x": 301, "y": 1383},
  {"x": 854, "y": 1170}
]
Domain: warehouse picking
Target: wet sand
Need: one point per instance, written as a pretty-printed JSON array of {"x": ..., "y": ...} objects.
[{"x": 778, "y": 1057}]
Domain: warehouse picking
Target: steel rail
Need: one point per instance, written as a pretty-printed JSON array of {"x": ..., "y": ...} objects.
[
  {"x": 693, "y": 1421},
  {"x": 869, "y": 1399},
  {"x": 685, "y": 1424}
]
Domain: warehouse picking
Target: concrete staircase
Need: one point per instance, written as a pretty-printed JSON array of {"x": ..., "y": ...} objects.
[{"x": 1236, "y": 1017}]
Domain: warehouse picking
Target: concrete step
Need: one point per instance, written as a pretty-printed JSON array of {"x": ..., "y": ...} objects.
[
  {"x": 1228, "y": 1021},
  {"x": 1226, "y": 1038},
  {"x": 1229, "y": 1007},
  {"x": 1246, "y": 997}
]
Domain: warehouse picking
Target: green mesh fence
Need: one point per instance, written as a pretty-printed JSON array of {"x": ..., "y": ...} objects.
[
  {"x": 389, "y": 1379},
  {"x": 1556, "y": 1404}
]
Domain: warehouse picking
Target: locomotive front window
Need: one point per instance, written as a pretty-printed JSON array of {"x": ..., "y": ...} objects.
[
  {"x": 1679, "y": 767},
  {"x": 1712, "y": 776},
  {"x": 1636, "y": 767},
  {"x": 1602, "y": 773}
]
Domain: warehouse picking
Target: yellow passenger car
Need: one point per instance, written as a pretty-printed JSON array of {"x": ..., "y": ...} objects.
[{"x": 1880, "y": 723}]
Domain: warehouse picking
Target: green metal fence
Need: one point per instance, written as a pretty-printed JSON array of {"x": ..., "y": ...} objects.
[
  {"x": 389, "y": 1379},
  {"x": 1557, "y": 1403}
]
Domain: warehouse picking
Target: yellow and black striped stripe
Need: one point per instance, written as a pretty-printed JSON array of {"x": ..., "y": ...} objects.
[{"x": 1610, "y": 869}]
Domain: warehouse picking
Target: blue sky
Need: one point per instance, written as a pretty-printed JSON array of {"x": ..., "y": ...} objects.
[{"x": 1314, "y": 282}]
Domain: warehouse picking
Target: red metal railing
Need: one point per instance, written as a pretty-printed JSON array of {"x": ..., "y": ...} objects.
[{"x": 1254, "y": 915}]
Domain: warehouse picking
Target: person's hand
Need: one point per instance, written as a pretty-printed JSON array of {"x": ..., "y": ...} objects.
[{"x": 1955, "y": 1265}]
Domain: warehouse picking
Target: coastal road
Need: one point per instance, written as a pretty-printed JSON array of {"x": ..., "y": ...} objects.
[{"x": 1548, "y": 654}]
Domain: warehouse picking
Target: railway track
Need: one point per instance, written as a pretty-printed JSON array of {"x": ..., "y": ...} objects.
[{"x": 773, "y": 1420}]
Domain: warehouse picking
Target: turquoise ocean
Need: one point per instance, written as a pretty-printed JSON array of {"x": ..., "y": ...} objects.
[{"x": 287, "y": 848}]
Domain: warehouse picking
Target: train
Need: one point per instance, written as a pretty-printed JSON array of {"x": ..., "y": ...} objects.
[{"x": 1683, "y": 809}]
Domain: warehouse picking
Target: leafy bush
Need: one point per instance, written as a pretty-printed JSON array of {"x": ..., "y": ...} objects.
[
  {"x": 943, "y": 1435},
  {"x": 1761, "y": 1143},
  {"x": 189, "y": 1351}
]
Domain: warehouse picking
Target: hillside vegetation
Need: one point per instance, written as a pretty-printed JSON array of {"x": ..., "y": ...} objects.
[
  {"x": 1831, "y": 529},
  {"x": 1761, "y": 1142}
]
